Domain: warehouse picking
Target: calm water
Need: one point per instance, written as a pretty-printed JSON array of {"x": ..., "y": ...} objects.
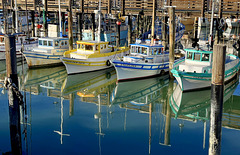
[{"x": 92, "y": 114}]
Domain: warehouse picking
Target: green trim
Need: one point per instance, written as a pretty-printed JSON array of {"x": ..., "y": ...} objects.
[{"x": 198, "y": 51}]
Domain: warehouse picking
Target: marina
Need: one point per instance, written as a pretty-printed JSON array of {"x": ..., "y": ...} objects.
[{"x": 119, "y": 77}]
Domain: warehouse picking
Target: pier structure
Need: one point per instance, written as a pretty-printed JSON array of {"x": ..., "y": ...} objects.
[{"x": 183, "y": 7}]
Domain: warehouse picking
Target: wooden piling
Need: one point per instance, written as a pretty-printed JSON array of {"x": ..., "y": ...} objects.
[
  {"x": 138, "y": 26},
  {"x": 153, "y": 21},
  {"x": 168, "y": 114},
  {"x": 217, "y": 92},
  {"x": 14, "y": 110},
  {"x": 204, "y": 7},
  {"x": 63, "y": 25},
  {"x": 71, "y": 104},
  {"x": 123, "y": 7},
  {"x": 80, "y": 25},
  {"x": 45, "y": 18},
  {"x": 33, "y": 23},
  {"x": 164, "y": 33},
  {"x": 70, "y": 21},
  {"x": 109, "y": 6},
  {"x": 118, "y": 22},
  {"x": 13, "y": 22},
  {"x": 195, "y": 31},
  {"x": 93, "y": 26},
  {"x": 171, "y": 12},
  {"x": 129, "y": 29}
]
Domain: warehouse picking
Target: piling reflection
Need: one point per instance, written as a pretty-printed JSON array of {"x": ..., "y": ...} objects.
[
  {"x": 146, "y": 106},
  {"x": 197, "y": 106}
]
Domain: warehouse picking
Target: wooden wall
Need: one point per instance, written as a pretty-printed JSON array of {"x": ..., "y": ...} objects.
[{"x": 134, "y": 6}]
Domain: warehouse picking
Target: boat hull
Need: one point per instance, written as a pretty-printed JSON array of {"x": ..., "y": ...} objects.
[
  {"x": 129, "y": 71},
  {"x": 75, "y": 66},
  {"x": 196, "y": 81},
  {"x": 36, "y": 60}
]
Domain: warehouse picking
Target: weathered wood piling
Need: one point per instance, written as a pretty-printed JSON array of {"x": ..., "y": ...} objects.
[
  {"x": 217, "y": 92},
  {"x": 172, "y": 23},
  {"x": 70, "y": 21},
  {"x": 13, "y": 100}
]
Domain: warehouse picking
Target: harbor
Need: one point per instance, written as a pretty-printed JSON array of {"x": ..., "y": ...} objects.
[{"x": 119, "y": 77}]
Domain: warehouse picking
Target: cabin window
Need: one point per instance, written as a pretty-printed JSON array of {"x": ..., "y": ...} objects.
[
  {"x": 101, "y": 47},
  {"x": 155, "y": 51},
  {"x": 88, "y": 47},
  {"x": 45, "y": 42},
  {"x": 62, "y": 43},
  {"x": 105, "y": 46},
  {"x": 197, "y": 56},
  {"x": 66, "y": 43},
  {"x": 50, "y": 43},
  {"x": 96, "y": 47},
  {"x": 78, "y": 46},
  {"x": 205, "y": 57},
  {"x": 139, "y": 50},
  {"x": 189, "y": 56},
  {"x": 56, "y": 43},
  {"x": 144, "y": 49},
  {"x": 82, "y": 47},
  {"x": 133, "y": 49},
  {"x": 40, "y": 42}
]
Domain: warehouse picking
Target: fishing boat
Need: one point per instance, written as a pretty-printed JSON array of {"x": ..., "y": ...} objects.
[
  {"x": 21, "y": 42},
  {"x": 195, "y": 71},
  {"x": 47, "y": 53},
  {"x": 91, "y": 56},
  {"x": 145, "y": 60}
]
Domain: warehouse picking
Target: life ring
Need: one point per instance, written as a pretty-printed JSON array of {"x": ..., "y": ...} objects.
[
  {"x": 108, "y": 63},
  {"x": 108, "y": 75}
]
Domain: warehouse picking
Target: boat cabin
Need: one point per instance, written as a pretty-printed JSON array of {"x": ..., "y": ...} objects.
[
  {"x": 53, "y": 43},
  {"x": 197, "y": 61},
  {"x": 90, "y": 47},
  {"x": 147, "y": 50}
]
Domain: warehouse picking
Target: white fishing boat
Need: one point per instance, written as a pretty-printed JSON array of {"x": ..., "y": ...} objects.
[
  {"x": 145, "y": 60},
  {"x": 20, "y": 39},
  {"x": 231, "y": 23},
  {"x": 195, "y": 71},
  {"x": 91, "y": 56},
  {"x": 47, "y": 53}
]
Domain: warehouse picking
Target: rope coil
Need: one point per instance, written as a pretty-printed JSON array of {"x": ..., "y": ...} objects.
[{"x": 11, "y": 86}]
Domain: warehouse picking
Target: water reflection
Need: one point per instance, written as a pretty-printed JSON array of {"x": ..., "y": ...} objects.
[{"x": 196, "y": 105}]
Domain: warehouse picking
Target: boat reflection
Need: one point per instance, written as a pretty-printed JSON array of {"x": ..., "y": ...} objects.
[
  {"x": 50, "y": 79},
  {"x": 196, "y": 105},
  {"x": 139, "y": 92},
  {"x": 90, "y": 84}
]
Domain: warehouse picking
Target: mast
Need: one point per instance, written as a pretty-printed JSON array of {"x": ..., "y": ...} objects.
[
  {"x": 61, "y": 126},
  {"x": 16, "y": 16},
  {"x": 60, "y": 17},
  {"x": 99, "y": 22}
]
